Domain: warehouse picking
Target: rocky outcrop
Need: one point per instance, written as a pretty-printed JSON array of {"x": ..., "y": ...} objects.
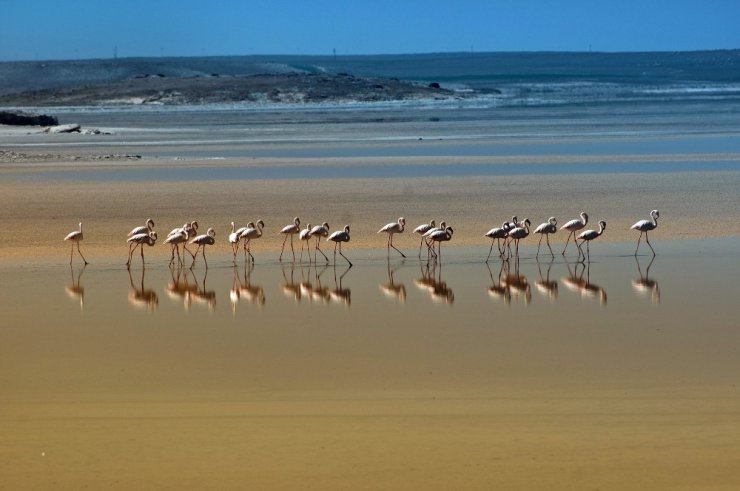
[{"x": 26, "y": 119}]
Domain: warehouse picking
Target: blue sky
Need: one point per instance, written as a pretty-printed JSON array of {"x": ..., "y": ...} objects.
[{"x": 45, "y": 29}]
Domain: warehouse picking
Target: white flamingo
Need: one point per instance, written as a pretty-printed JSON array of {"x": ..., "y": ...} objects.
[
  {"x": 587, "y": 237},
  {"x": 338, "y": 237},
  {"x": 574, "y": 226},
  {"x": 519, "y": 233},
  {"x": 290, "y": 231},
  {"x": 209, "y": 238},
  {"x": 426, "y": 236},
  {"x": 393, "y": 228},
  {"x": 252, "y": 232},
  {"x": 545, "y": 229},
  {"x": 496, "y": 234},
  {"x": 75, "y": 237},
  {"x": 441, "y": 236},
  {"x": 139, "y": 240},
  {"x": 144, "y": 229},
  {"x": 234, "y": 238},
  {"x": 175, "y": 240},
  {"x": 645, "y": 226},
  {"x": 421, "y": 230},
  {"x": 319, "y": 231},
  {"x": 304, "y": 236}
]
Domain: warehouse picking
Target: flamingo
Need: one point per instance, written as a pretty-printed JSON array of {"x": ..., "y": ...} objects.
[
  {"x": 319, "y": 231},
  {"x": 75, "y": 237},
  {"x": 144, "y": 229},
  {"x": 304, "y": 236},
  {"x": 252, "y": 232},
  {"x": 442, "y": 236},
  {"x": 588, "y": 236},
  {"x": 338, "y": 237},
  {"x": 545, "y": 229},
  {"x": 234, "y": 238},
  {"x": 421, "y": 230},
  {"x": 209, "y": 238},
  {"x": 290, "y": 230},
  {"x": 426, "y": 235},
  {"x": 497, "y": 234},
  {"x": 393, "y": 228},
  {"x": 139, "y": 240},
  {"x": 519, "y": 233},
  {"x": 574, "y": 226},
  {"x": 645, "y": 226},
  {"x": 175, "y": 240}
]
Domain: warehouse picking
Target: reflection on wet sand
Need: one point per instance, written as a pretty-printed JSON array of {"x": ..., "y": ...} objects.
[
  {"x": 179, "y": 288},
  {"x": 142, "y": 297},
  {"x": 289, "y": 287},
  {"x": 201, "y": 294},
  {"x": 517, "y": 283},
  {"x": 497, "y": 289},
  {"x": 75, "y": 290},
  {"x": 340, "y": 294},
  {"x": 245, "y": 289},
  {"x": 577, "y": 283},
  {"x": 644, "y": 285},
  {"x": 545, "y": 286},
  {"x": 392, "y": 289},
  {"x": 431, "y": 282}
]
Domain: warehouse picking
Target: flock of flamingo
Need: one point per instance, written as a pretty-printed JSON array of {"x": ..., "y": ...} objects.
[{"x": 431, "y": 235}]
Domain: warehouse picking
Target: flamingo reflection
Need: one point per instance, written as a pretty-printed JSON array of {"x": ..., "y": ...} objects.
[
  {"x": 432, "y": 282},
  {"x": 252, "y": 293},
  {"x": 319, "y": 292},
  {"x": 75, "y": 290},
  {"x": 201, "y": 294},
  {"x": 577, "y": 283},
  {"x": 179, "y": 288},
  {"x": 140, "y": 296},
  {"x": 393, "y": 289},
  {"x": 498, "y": 290},
  {"x": 517, "y": 284},
  {"x": 644, "y": 285},
  {"x": 289, "y": 287},
  {"x": 340, "y": 294},
  {"x": 544, "y": 285}
]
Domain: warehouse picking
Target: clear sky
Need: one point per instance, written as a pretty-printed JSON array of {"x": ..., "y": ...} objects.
[{"x": 68, "y": 29}]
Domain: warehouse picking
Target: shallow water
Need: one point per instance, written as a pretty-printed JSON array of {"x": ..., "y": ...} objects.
[{"x": 170, "y": 378}]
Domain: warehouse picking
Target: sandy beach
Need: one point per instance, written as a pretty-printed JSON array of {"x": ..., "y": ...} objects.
[{"x": 620, "y": 373}]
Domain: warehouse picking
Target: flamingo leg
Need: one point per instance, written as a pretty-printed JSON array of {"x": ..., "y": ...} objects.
[
  {"x": 204, "y": 259},
  {"x": 345, "y": 257},
  {"x": 141, "y": 250},
  {"x": 638, "y": 244},
  {"x": 420, "y": 244},
  {"x": 283, "y": 249},
  {"x": 291, "y": 247},
  {"x": 538, "y": 245},
  {"x": 248, "y": 246},
  {"x": 71, "y": 251},
  {"x": 319, "y": 249},
  {"x": 390, "y": 241},
  {"x": 547, "y": 239},
  {"x": 185, "y": 247},
  {"x": 195, "y": 256},
  {"x": 567, "y": 241},
  {"x": 490, "y": 251},
  {"x": 646, "y": 240},
  {"x": 85, "y": 260}
]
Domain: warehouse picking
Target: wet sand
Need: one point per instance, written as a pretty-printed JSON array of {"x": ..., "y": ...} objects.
[
  {"x": 120, "y": 381},
  {"x": 106, "y": 387},
  {"x": 43, "y": 209}
]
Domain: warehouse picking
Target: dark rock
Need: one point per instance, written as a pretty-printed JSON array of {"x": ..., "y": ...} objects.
[
  {"x": 26, "y": 119},
  {"x": 434, "y": 85}
]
